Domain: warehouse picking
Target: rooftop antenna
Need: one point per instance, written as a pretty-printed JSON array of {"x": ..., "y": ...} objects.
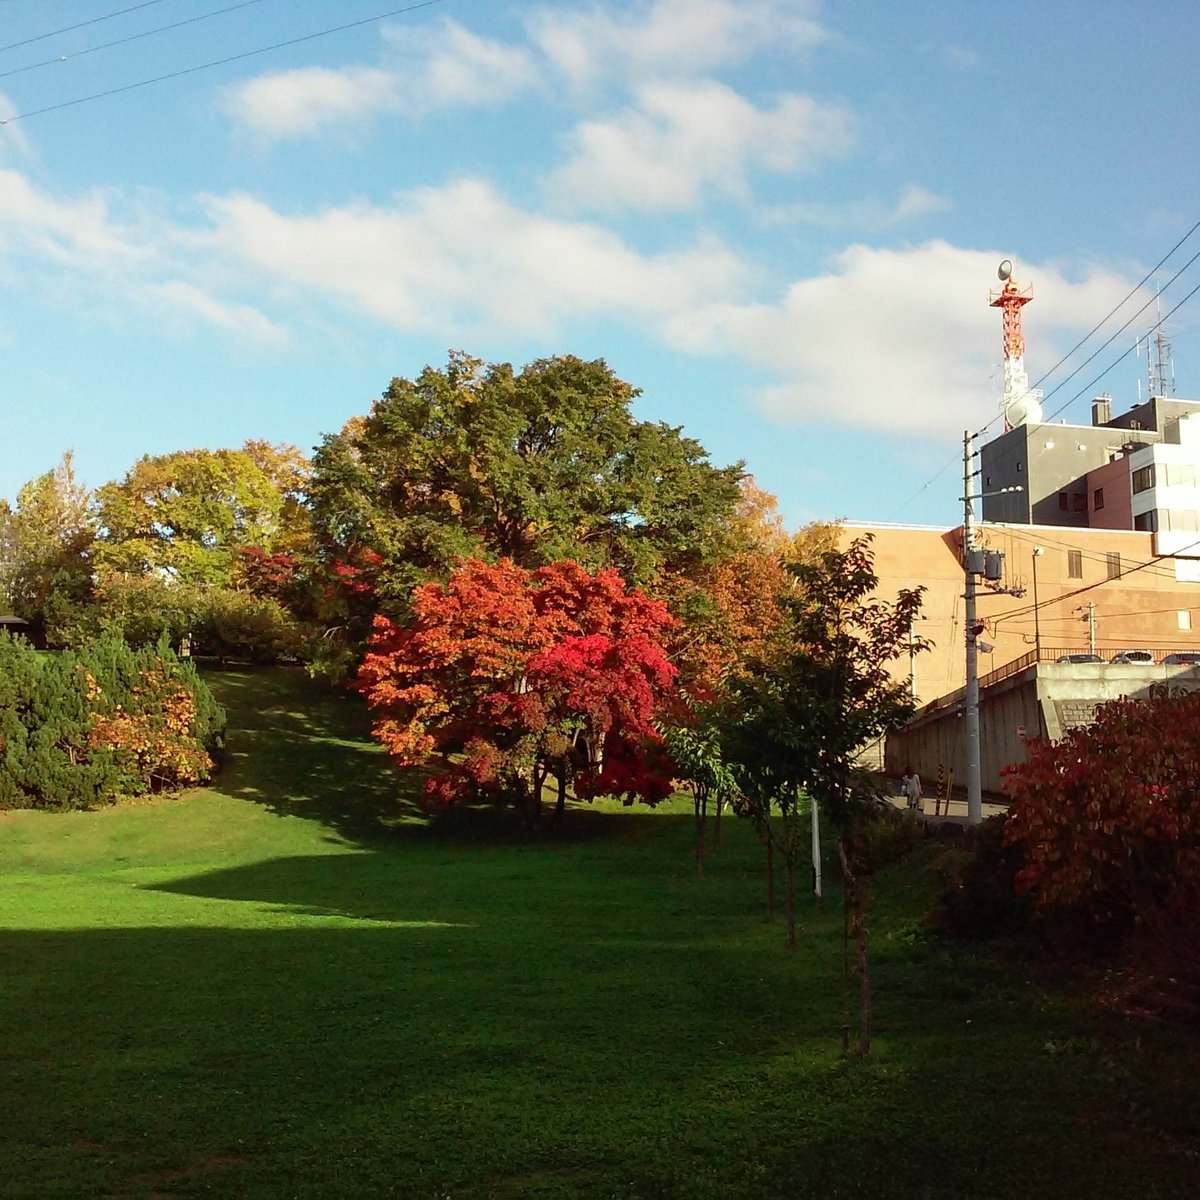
[
  {"x": 1160, "y": 366},
  {"x": 1019, "y": 404}
]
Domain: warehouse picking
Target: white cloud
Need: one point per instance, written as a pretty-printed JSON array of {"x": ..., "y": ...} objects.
[
  {"x": 915, "y": 201},
  {"x": 78, "y": 247},
  {"x": 307, "y": 100},
  {"x": 242, "y": 320},
  {"x": 463, "y": 258},
  {"x": 869, "y": 216},
  {"x": 453, "y": 66},
  {"x": 670, "y": 37},
  {"x": 71, "y": 233},
  {"x": 685, "y": 137},
  {"x": 446, "y": 67},
  {"x": 901, "y": 341},
  {"x": 12, "y": 137}
]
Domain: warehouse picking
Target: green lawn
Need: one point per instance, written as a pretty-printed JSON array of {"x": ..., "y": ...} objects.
[{"x": 290, "y": 985}]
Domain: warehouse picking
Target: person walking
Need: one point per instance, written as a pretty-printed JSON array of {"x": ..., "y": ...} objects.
[{"x": 911, "y": 786}]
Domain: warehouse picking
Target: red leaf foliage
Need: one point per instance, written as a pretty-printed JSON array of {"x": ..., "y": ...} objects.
[
  {"x": 1108, "y": 818},
  {"x": 518, "y": 673}
]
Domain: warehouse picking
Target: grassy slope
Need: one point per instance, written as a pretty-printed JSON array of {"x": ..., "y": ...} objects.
[{"x": 262, "y": 990}]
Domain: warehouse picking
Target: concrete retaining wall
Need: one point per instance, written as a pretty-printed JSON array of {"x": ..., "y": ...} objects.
[{"x": 1043, "y": 701}]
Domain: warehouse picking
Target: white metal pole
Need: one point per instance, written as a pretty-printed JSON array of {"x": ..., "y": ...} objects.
[{"x": 971, "y": 703}]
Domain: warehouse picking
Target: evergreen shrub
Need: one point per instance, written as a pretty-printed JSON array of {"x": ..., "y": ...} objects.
[{"x": 84, "y": 728}]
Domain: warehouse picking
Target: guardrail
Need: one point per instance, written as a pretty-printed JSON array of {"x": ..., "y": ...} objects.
[{"x": 1047, "y": 654}]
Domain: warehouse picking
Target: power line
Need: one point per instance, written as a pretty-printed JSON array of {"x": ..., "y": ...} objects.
[
  {"x": 41, "y": 37},
  {"x": 1087, "y": 387},
  {"x": 1129, "y": 295},
  {"x": 1035, "y": 538},
  {"x": 133, "y": 37},
  {"x": 1104, "y": 346},
  {"x": 1091, "y": 587},
  {"x": 220, "y": 62}
]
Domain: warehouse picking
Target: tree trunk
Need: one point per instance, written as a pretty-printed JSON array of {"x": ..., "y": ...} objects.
[
  {"x": 700, "y": 803},
  {"x": 770, "y": 877},
  {"x": 864, "y": 981},
  {"x": 859, "y": 927},
  {"x": 845, "y": 970},
  {"x": 789, "y": 900},
  {"x": 717, "y": 822},
  {"x": 533, "y": 798},
  {"x": 560, "y": 805}
]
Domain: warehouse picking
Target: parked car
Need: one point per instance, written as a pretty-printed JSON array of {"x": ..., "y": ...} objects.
[
  {"x": 1140, "y": 658},
  {"x": 1080, "y": 658},
  {"x": 1182, "y": 656}
]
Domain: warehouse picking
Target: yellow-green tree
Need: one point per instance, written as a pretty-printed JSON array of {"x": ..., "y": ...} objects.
[
  {"x": 46, "y": 539},
  {"x": 185, "y": 515}
]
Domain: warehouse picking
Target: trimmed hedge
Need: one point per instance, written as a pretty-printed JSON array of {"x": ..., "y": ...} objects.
[{"x": 83, "y": 728}]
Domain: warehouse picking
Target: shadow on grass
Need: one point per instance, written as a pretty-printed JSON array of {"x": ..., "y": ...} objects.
[
  {"x": 302, "y": 748},
  {"x": 496, "y": 1044}
]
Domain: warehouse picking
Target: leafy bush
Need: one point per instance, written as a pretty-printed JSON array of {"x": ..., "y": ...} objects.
[
  {"x": 1108, "y": 819},
  {"x": 232, "y": 624},
  {"x": 982, "y": 901},
  {"x": 144, "y": 609},
  {"x": 79, "y": 729},
  {"x": 1159, "y": 972},
  {"x": 878, "y": 835},
  {"x": 218, "y": 621}
]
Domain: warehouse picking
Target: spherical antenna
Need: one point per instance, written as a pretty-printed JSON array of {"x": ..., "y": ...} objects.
[{"x": 1004, "y": 271}]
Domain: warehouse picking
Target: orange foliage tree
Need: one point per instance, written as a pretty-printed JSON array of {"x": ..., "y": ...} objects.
[
  {"x": 151, "y": 738},
  {"x": 504, "y": 677}
]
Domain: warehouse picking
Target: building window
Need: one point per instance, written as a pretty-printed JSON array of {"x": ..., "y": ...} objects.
[
  {"x": 1184, "y": 617},
  {"x": 1114, "y": 564},
  {"x": 1079, "y": 501},
  {"x": 1074, "y": 564},
  {"x": 1147, "y": 522},
  {"x": 1143, "y": 479},
  {"x": 1063, "y": 503},
  {"x": 1098, "y": 499}
]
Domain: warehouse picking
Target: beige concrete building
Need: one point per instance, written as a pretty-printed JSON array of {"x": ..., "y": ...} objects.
[{"x": 1105, "y": 587}]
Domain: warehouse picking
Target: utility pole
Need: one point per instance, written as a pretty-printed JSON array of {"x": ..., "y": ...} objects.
[
  {"x": 1037, "y": 624},
  {"x": 971, "y": 703},
  {"x": 1091, "y": 620}
]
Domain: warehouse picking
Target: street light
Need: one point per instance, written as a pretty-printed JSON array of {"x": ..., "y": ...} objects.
[{"x": 1037, "y": 625}]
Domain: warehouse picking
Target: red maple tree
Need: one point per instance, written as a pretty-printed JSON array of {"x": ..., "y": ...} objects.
[{"x": 505, "y": 677}]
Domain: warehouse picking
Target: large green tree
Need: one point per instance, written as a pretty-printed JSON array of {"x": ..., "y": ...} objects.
[
  {"x": 535, "y": 465},
  {"x": 185, "y": 515}
]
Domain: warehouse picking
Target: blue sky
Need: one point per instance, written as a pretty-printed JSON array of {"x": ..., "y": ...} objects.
[{"x": 780, "y": 219}]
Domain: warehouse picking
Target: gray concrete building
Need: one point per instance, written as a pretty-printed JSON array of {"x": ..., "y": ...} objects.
[{"x": 1051, "y": 463}]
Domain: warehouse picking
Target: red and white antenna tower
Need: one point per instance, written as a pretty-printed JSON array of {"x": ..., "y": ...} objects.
[{"x": 1019, "y": 405}]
